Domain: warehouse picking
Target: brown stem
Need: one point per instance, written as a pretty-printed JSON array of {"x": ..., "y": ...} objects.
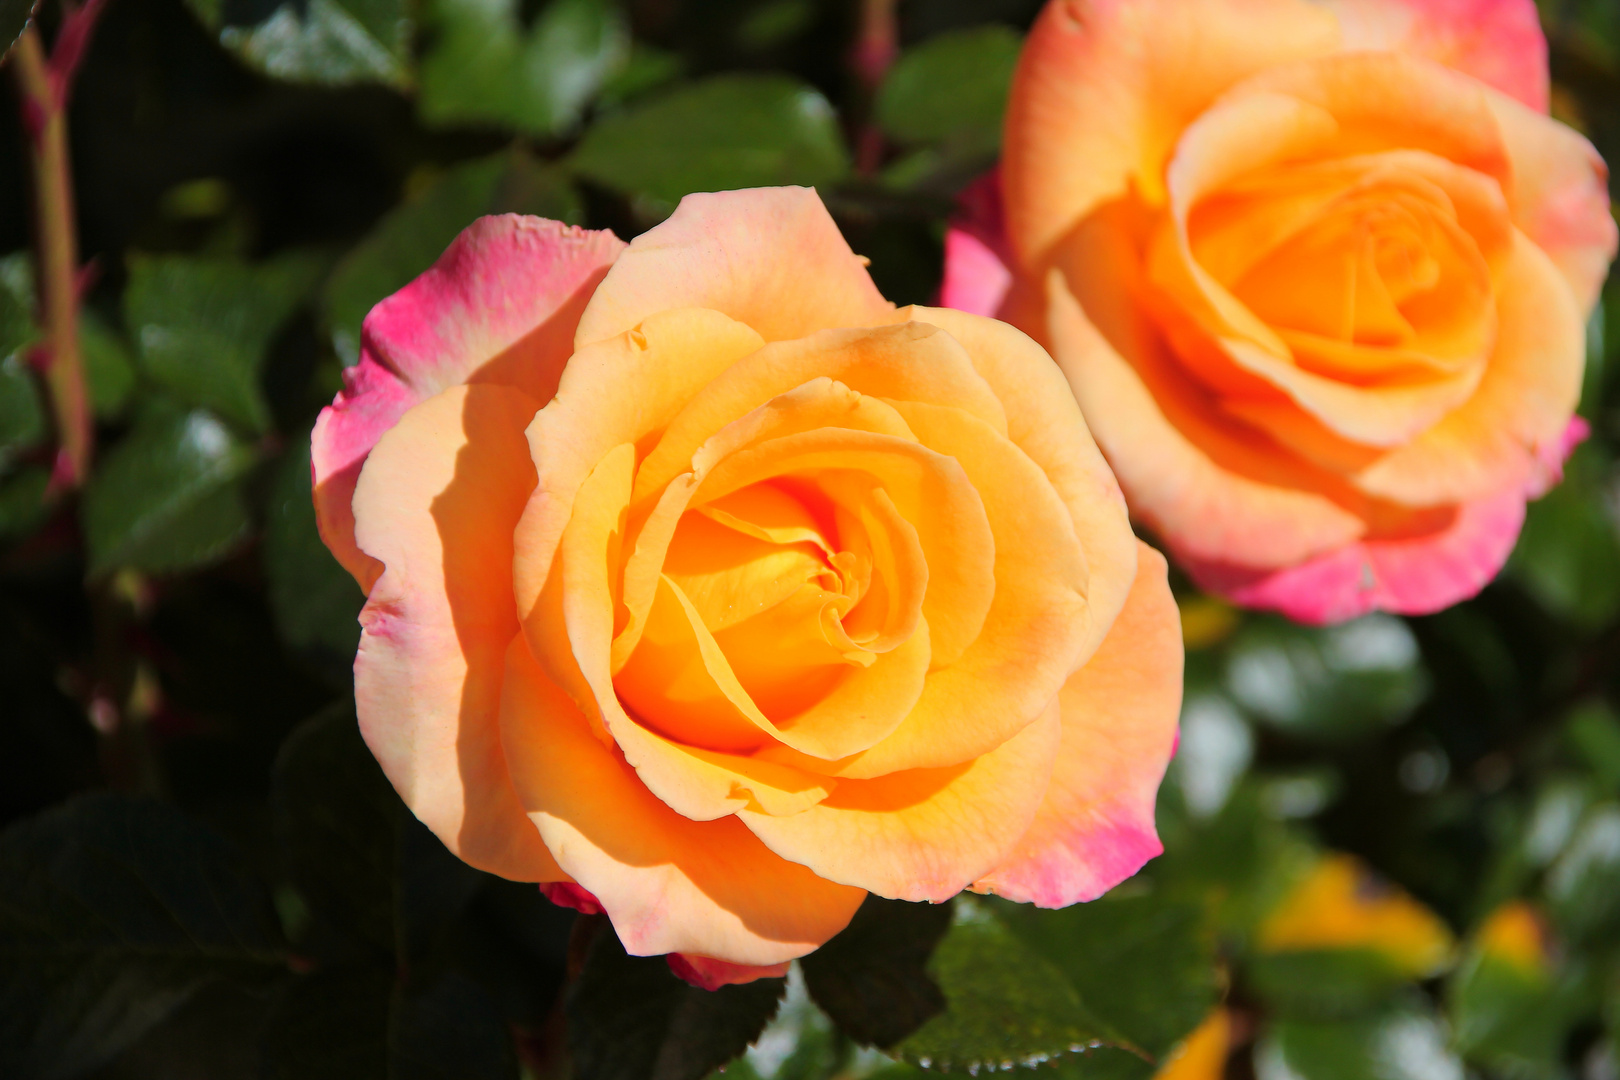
[{"x": 57, "y": 254}]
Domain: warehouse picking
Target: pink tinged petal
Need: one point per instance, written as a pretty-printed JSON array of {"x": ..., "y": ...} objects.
[
  {"x": 1409, "y": 576},
  {"x": 500, "y": 305},
  {"x": 707, "y": 973},
  {"x": 1095, "y": 827},
  {"x": 569, "y": 895},
  {"x": 976, "y": 280},
  {"x": 977, "y": 255},
  {"x": 1498, "y": 42},
  {"x": 435, "y": 506},
  {"x": 771, "y": 258},
  {"x": 669, "y": 884},
  {"x": 1550, "y": 457},
  {"x": 1559, "y": 196}
]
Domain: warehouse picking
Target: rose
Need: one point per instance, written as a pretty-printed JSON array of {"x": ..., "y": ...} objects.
[
  {"x": 1317, "y": 274},
  {"x": 713, "y": 592}
]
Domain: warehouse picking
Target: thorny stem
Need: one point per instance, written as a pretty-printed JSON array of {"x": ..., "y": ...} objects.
[{"x": 43, "y": 85}]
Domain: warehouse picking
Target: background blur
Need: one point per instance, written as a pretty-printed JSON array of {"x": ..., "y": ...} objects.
[{"x": 1393, "y": 848}]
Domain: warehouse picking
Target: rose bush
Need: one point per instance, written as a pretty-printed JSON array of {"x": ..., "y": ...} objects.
[
  {"x": 1317, "y": 273},
  {"x": 712, "y": 592}
]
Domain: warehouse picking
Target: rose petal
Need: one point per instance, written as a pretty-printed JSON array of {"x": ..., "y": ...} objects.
[
  {"x": 771, "y": 258},
  {"x": 1105, "y": 87},
  {"x": 923, "y": 834},
  {"x": 500, "y": 305},
  {"x": 1095, "y": 827},
  {"x": 1409, "y": 576},
  {"x": 1210, "y": 488},
  {"x": 1524, "y": 400},
  {"x": 1559, "y": 196},
  {"x": 707, "y": 973},
  {"x": 569, "y": 895},
  {"x": 1044, "y": 421},
  {"x": 1498, "y": 42},
  {"x": 669, "y": 884},
  {"x": 435, "y": 506}
]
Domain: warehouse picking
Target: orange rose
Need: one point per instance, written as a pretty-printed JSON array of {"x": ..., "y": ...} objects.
[
  {"x": 713, "y": 592},
  {"x": 1317, "y": 273}
]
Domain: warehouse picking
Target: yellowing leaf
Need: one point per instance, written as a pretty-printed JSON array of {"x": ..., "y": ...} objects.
[
  {"x": 1203, "y": 1055},
  {"x": 1342, "y": 904}
]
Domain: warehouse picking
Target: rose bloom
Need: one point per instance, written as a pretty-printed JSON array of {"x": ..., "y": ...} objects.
[
  {"x": 712, "y": 592},
  {"x": 1317, "y": 273}
]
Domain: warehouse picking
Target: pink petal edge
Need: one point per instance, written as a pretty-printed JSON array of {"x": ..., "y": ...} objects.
[
  {"x": 500, "y": 304},
  {"x": 1498, "y": 42},
  {"x": 977, "y": 255},
  {"x": 707, "y": 973},
  {"x": 1407, "y": 576},
  {"x": 569, "y": 895}
]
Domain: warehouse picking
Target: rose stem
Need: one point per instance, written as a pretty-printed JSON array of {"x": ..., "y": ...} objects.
[{"x": 43, "y": 85}]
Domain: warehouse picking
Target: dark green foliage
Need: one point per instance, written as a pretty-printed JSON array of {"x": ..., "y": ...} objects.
[
  {"x": 631, "y": 1019},
  {"x": 1006, "y": 1004},
  {"x": 115, "y": 912},
  {"x": 252, "y": 176},
  {"x": 872, "y": 978},
  {"x": 730, "y": 131},
  {"x": 315, "y": 600}
]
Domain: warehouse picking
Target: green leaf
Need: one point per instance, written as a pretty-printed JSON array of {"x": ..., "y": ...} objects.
[
  {"x": 1568, "y": 554},
  {"x": 203, "y": 325},
  {"x": 647, "y": 68},
  {"x": 629, "y": 1018},
  {"x": 164, "y": 499},
  {"x": 109, "y": 369},
  {"x": 324, "y": 42},
  {"x": 951, "y": 89},
  {"x": 22, "y": 413},
  {"x": 1329, "y": 684},
  {"x": 23, "y": 505},
  {"x": 482, "y": 68},
  {"x": 1511, "y": 1014},
  {"x": 1402, "y": 1044},
  {"x": 872, "y": 978},
  {"x": 16, "y": 302},
  {"x": 1006, "y": 1004},
  {"x": 315, "y": 601},
  {"x": 411, "y": 236},
  {"x": 356, "y": 1022},
  {"x": 14, "y": 16},
  {"x": 1583, "y": 885},
  {"x": 1321, "y": 983},
  {"x": 356, "y": 855},
  {"x": 730, "y": 131},
  {"x": 1145, "y": 963},
  {"x": 116, "y": 911}
]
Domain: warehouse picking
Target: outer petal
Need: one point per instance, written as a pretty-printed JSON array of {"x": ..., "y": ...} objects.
[
  {"x": 707, "y": 973},
  {"x": 1211, "y": 490},
  {"x": 669, "y": 884},
  {"x": 768, "y": 257},
  {"x": 1105, "y": 87},
  {"x": 1095, "y": 828},
  {"x": 500, "y": 305},
  {"x": 976, "y": 254},
  {"x": 435, "y": 506},
  {"x": 923, "y": 834},
  {"x": 1560, "y": 196},
  {"x": 1409, "y": 576},
  {"x": 1044, "y": 421},
  {"x": 1498, "y": 42}
]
